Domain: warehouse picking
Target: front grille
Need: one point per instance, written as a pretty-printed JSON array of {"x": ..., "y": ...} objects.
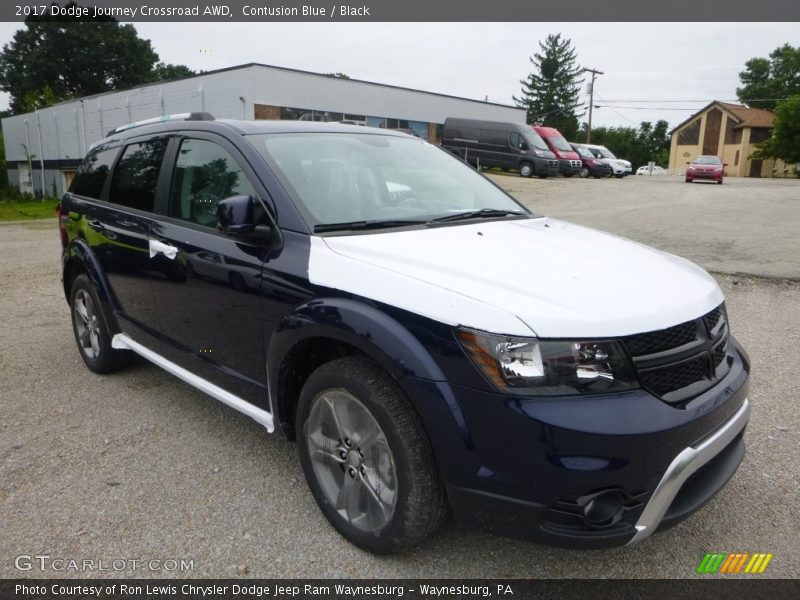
[
  {"x": 658, "y": 341},
  {"x": 664, "y": 380},
  {"x": 681, "y": 361},
  {"x": 712, "y": 319}
]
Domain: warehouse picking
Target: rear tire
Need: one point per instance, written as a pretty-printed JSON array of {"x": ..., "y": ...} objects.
[
  {"x": 90, "y": 326},
  {"x": 366, "y": 457}
]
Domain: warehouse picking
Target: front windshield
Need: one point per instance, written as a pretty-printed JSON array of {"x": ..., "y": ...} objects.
[
  {"x": 707, "y": 160},
  {"x": 535, "y": 140},
  {"x": 560, "y": 143},
  {"x": 605, "y": 152},
  {"x": 350, "y": 177},
  {"x": 584, "y": 152}
]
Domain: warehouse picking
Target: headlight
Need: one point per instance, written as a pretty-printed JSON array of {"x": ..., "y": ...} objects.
[
  {"x": 538, "y": 153},
  {"x": 529, "y": 366}
]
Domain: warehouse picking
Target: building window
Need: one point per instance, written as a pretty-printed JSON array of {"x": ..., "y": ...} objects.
[
  {"x": 729, "y": 131},
  {"x": 690, "y": 135},
  {"x": 759, "y": 134}
]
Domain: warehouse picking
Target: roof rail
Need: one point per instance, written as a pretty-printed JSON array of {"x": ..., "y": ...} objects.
[{"x": 190, "y": 116}]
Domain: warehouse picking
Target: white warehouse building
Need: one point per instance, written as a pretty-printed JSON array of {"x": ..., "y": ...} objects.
[{"x": 57, "y": 137}]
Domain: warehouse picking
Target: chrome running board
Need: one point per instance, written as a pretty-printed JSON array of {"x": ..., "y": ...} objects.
[
  {"x": 122, "y": 342},
  {"x": 684, "y": 465}
]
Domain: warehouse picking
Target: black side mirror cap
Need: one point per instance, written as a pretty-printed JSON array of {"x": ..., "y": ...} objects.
[{"x": 245, "y": 217}]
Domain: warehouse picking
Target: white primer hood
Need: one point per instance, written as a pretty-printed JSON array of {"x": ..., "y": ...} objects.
[{"x": 521, "y": 277}]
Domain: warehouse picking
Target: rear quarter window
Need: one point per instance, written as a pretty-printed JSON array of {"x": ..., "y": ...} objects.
[{"x": 92, "y": 174}]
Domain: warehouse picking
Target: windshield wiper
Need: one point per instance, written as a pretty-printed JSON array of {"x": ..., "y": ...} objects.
[
  {"x": 482, "y": 213},
  {"x": 363, "y": 225}
]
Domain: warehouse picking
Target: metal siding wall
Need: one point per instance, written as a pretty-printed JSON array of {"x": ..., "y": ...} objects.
[
  {"x": 300, "y": 90},
  {"x": 68, "y": 129}
]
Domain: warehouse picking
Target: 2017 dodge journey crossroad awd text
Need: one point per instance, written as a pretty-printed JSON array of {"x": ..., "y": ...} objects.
[{"x": 432, "y": 345}]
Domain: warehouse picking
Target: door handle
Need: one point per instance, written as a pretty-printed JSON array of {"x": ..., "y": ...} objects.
[{"x": 155, "y": 247}]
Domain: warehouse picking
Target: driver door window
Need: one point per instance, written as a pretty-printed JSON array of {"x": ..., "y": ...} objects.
[{"x": 205, "y": 173}]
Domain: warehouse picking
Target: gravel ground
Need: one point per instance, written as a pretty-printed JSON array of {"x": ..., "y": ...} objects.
[{"x": 140, "y": 466}]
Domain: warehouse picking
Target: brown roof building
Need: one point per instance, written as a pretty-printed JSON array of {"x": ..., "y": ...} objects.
[{"x": 730, "y": 131}]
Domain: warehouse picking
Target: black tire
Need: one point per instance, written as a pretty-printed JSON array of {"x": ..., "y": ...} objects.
[
  {"x": 584, "y": 172},
  {"x": 106, "y": 359},
  {"x": 543, "y": 176},
  {"x": 688, "y": 180},
  {"x": 420, "y": 506},
  {"x": 526, "y": 169}
]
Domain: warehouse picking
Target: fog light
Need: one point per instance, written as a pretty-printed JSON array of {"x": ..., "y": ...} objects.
[{"x": 603, "y": 509}]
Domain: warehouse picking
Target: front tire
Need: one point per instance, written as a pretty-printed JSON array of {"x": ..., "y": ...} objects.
[
  {"x": 526, "y": 169},
  {"x": 366, "y": 457},
  {"x": 91, "y": 329},
  {"x": 584, "y": 173}
]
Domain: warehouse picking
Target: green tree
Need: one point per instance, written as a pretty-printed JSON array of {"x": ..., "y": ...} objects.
[
  {"x": 639, "y": 146},
  {"x": 54, "y": 59},
  {"x": 785, "y": 141},
  {"x": 166, "y": 72},
  {"x": 550, "y": 93},
  {"x": 3, "y": 172},
  {"x": 765, "y": 81}
]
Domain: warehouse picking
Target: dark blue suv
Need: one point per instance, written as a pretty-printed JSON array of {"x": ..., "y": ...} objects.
[{"x": 431, "y": 344}]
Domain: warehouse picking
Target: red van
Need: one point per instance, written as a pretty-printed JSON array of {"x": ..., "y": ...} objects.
[{"x": 569, "y": 162}]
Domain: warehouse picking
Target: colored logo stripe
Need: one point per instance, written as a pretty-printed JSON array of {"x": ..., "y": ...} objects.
[{"x": 722, "y": 562}]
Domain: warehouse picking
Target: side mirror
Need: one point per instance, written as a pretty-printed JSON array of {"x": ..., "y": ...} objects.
[
  {"x": 242, "y": 216},
  {"x": 235, "y": 215}
]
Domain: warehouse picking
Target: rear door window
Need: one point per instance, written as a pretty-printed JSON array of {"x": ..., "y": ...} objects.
[{"x": 136, "y": 175}]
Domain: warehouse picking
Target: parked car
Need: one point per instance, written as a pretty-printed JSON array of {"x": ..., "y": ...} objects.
[
  {"x": 620, "y": 166},
  {"x": 499, "y": 144},
  {"x": 591, "y": 164},
  {"x": 654, "y": 170},
  {"x": 430, "y": 343},
  {"x": 569, "y": 163},
  {"x": 708, "y": 168}
]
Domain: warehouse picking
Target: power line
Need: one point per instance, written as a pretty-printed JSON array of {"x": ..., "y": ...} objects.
[
  {"x": 701, "y": 100},
  {"x": 646, "y": 107}
]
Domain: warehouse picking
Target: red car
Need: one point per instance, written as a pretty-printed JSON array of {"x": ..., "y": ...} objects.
[{"x": 706, "y": 167}]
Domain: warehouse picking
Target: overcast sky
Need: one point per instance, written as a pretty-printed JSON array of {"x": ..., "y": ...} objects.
[{"x": 661, "y": 63}]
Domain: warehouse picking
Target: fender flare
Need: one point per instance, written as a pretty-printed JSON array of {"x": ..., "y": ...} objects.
[
  {"x": 360, "y": 325},
  {"x": 79, "y": 253}
]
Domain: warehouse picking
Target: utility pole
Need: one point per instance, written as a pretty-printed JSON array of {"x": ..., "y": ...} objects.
[{"x": 594, "y": 73}]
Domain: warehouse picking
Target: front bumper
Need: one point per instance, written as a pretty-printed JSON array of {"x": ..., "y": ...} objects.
[
  {"x": 567, "y": 166},
  {"x": 545, "y": 166},
  {"x": 710, "y": 175},
  {"x": 528, "y": 467}
]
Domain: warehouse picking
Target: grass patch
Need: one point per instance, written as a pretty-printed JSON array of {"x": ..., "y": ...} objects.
[{"x": 28, "y": 209}]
